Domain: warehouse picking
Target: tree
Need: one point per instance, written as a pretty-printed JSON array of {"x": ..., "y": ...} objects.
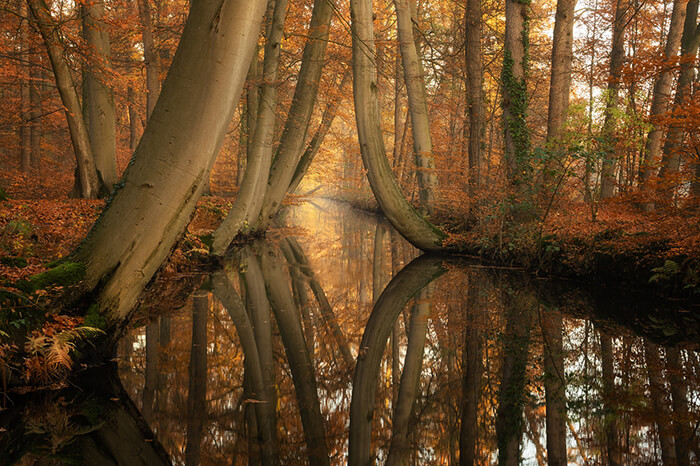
[
  {"x": 475, "y": 92},
  {"x": 86, "y": 171},
  {"x": 150, "y": 59},
  {"x": 402, "y": 216},
  {"x": 98, "y": 100},
  {"x": 155, "y": 202}
]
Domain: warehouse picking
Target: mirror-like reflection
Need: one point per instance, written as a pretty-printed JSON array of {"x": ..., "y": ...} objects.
[{"x": 337, "y": 345}]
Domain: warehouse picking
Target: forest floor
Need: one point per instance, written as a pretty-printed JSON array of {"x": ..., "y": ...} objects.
[{"x": 623, "y": 247}]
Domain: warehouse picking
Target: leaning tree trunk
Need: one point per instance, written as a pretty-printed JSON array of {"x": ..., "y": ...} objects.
[
  {"x": 98, "y": 100},
  {"x": 245, "y": 212},
  {"x": 161, "y": 187},
  {"x": 617, "y": 59},
  {"x": 662, "y": 92},
  {"x": 412, "y": 226},
  {"x": 689, "y": 48},
  {"x": 87, "y": 174},
  {"x": 290, "y": 150},
  {"x": 414, "y": 78}
]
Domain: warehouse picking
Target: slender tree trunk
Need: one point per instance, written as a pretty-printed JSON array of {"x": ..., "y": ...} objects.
[
  {"x": 475, "y": 91},
  {"x": 98, "y": 100},
  {"x": 149, "y": 213},
  {"x": 244, "y": 215},
  {"x": 133, "y": 118},
  {"x": 290, "y": 150},
  {"x": 472, "y": 366},
  {"x": 661, "y": 97},
  {"x": 317, "y": 139},
  {"x": 150, "y": 58},
  {"x": 414, "y": 77},
  {"x": 197, "y": 391},
  {"x": 560, "y": 83},
  {"x": 555, "y": 389},
  {"x": 87, "y": 173},
  {"x": 402, "y": 216},
  {"x": 617, "y": 59},
  {"x": 673, "y": 146},
  {"x": 151, "y": 372},
  {"x": 25, "y": 148},
  {"x": 35, "y": 110},
  {"x": 515, "y": 65},
  {"x": 683, "y": 432}
]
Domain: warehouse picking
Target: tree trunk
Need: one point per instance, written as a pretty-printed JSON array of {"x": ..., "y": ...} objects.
[
  {"x": 35, "y": 111},
  {"x": 673, "y": 147},
  {"x": 25, "y": 149},
  {"x": 475, "y": 92},
  {"x": 133, "y": 119},
  {"x": 683, "y": 432},
  {"x": 472, "y": 364},
  {"x": 612, "y": 434},
  {"x": 617, "y": 59},
  {"x": 661, "y": 97},
  {"x": 150, "y": 58},
  {"x": 290, "y": 150},
  {"x": 516, "y": 132},
  {"x": 414, "y": 78},
  {"x": 402, "y": 216},
  {"x": 87, "y": 173},
  {"x": 244, "y": 215},
  {"x": 98, "y": 100},
  {"x": 149, "y": 213}
]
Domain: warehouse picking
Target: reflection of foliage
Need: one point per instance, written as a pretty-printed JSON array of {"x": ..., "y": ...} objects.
[{"x": 57, "y": 423}]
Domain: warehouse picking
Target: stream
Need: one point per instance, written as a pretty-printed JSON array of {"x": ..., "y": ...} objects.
[{"x": 336, "y": 342}]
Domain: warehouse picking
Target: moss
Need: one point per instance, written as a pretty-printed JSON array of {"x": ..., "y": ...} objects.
[
  {"x": 66, "y": 274},
  {"x": 19, "y": 262},
  {"x": 94, "y": 319}
]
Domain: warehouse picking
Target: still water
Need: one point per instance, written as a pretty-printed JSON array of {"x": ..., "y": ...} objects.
[{"x": 333, "y": 342}]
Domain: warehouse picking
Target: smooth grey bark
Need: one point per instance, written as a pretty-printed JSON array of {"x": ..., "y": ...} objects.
[
  {"x": 150, "y": 58},
  {"x": 98, "y": 101},
  {"x": 514, "y": 103},
  {"x": 317, "y": 139},
  {"x": 249, "y": 117},
  {"x": 659, "y": 401},
  {"x": 404, "y": 286},
  {"x": 133, "y": 118},
  {"x": 264, "y": 408},
  {"x": 617, "y": 59},
  {"x": 554, "y": 388},
  {"x": 399, "y": 450},
  {"x": 661, "y": 97},
  {"x": 412, "y": 226},
  {"x": 560, "y": 83},
  {"x": 414, "y": 78},
  {"x": 244, "y": 215},
  {"x": 290, "y": 150},
  {"x": 303, "y": 375},
  {"x": 673, "y": 146},
  {"x": 197, "y": 380},
  {"x": 475, "y": 91},
  {"x": 147, "y": 215},
  {"x": 87, "y": 173},
  {"x": 511, "y": 394}
]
